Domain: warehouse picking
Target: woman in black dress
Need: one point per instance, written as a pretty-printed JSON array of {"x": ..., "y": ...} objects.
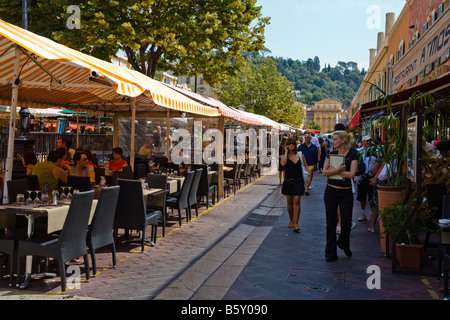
[{"x": 293, "y": 185}]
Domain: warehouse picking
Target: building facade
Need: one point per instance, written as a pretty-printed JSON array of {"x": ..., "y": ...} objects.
[{"x": 327, "y": 113}]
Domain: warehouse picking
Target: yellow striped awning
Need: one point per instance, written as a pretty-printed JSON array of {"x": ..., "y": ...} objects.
[{"x": 53, "y": 75}]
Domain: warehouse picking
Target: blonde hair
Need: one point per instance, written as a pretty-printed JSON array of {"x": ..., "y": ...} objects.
[{"x": 344, "y": 135}]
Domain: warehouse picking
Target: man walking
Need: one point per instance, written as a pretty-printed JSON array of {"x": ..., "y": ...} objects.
[
  {"x": 309, "y": 150},
  {"x": 365, "y": 189}
]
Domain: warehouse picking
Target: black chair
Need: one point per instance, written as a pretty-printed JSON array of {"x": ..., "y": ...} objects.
[
  {"x": 139, "y": 171},
  {"x": 33, "y": 180},
  {"x": 99, "y": 172},
  {"x": 131, "y": 213},
  {"x": 158, "y": 181},
  {"x": 80, "y": 183},
  {"x": 71, "y": 242},
  {"x": 192, "y": 199},
  {"x": 8, "y": 247},
  {"x": 100, "y": 231},
  {"x": 16, "y": 187},
  {"x": 233, "y": 178},
  {"x": 179, "y": 200},
  {"x": 126, "y": 175},
  {"x": 204, "y": 187},
  {"x": 127, "y": 169}
]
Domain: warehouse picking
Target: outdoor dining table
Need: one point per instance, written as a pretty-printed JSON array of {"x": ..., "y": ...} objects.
[{"x": 56, "y": 215}]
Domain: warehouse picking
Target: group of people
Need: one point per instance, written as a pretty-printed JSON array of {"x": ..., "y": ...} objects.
[
  {"x": 358, "y": 172},
  {"x": 64, "y": 161}
]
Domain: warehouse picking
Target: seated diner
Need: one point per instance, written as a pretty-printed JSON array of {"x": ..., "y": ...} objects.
[
  {"x": 50, "y": 171},
  {"x": 81, "y": 167},
  {"x": 117, "y": 163}
]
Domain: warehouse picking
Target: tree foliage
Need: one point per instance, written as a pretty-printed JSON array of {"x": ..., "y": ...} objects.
[
  {"x": 188, "y": 37},
  {"x": 262, "y": 90},
  {"x": 339, "y": 83}
]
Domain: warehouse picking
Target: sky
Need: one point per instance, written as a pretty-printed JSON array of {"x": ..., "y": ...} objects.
[{"x": 333, "y": 30}]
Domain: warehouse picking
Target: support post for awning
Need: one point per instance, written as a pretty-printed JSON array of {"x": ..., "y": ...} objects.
[
  {"x": 220, "y": 156},
  {"x": 133, "y": 131},
  {"x": 78, "y": 131},
  {"x": 12, "y": 125},
  {"x": 116, "y": 130},
  {"x": 168, "y": 135}
]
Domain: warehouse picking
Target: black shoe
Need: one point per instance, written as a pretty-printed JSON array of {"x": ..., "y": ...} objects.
[
  {"x": 331, "y": 259},
  {"x": 347, "y": 251},
  {"x": 306, "y": 193}
]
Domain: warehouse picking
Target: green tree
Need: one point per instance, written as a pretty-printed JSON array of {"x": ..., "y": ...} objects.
[
  {"x": 262, "y": 90},
  {"x": 188, "y": 37}
]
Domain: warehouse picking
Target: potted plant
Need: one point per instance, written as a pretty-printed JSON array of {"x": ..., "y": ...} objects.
[
  {"x": 392, "y": 153},
  {"x": 408, "y": 247}
]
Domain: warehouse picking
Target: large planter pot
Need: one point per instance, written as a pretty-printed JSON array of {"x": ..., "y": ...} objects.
[
  {"x": 408, "y": 256},
  {"x": 388, "y": 195}
]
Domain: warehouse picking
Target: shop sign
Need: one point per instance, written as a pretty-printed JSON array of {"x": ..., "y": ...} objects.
[{"x": 423, "y": 55}]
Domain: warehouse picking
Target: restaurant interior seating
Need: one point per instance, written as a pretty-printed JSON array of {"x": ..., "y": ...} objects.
[
  {"x": 204, "y": 187},
  {"x": 192, "y": 198},
  {"x": 100, "y": 232},
  {"x": 131, "y": 213},
  {"x": 179, "y": 200},
  {"x": 158, "y": 181},
  {"x": 33, "y": 180},
  {"x": 80, "y": 183},
  {"x": 71, "y": 242}
]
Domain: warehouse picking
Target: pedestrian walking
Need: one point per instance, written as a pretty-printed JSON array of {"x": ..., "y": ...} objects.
[
  {"x": 309, "y": 150},
  {"x": 281, "y": 151},
  {"x": 338, "y": 194},
  {"x": 294, "y": 182},
  {"x": 323, "y": 153},
  {"x": 366, "y": 171}
]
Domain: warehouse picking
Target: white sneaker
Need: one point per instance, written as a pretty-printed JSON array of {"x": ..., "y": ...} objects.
[
  {"x": 363, "y": 218},
  {"x": 353, "y": 224},
  {"x": 338, "y": 230},
  {"x": 371, "y": 230}
]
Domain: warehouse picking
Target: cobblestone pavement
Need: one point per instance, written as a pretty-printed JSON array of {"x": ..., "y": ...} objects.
[{"x": 241, "y": 249}]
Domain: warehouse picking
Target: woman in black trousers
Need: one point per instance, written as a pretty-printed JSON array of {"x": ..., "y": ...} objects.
[{"x": 338, "y": 194}]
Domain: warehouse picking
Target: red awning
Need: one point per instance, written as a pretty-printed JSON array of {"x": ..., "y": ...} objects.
[{"x": 354, "y": 122}]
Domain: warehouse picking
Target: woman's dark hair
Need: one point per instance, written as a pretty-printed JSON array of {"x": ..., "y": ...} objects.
[
  {"x": 54, "y": 155},
  {"x": 29, "y": 157},
  {"x": 292, "y": 140},
  {"x": 77, "y": 156},
  {"x": 118, "y": 150},
  {"x": 320, "y": 141}
]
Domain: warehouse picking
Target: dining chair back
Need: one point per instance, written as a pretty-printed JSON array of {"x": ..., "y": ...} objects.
[
  {"x": 33, "y": 180},
  {"x": 80, "y": 183},
  {"x": 71, "y": 242},
  {"x": 100, "y": 231},
  {"x": 127, "y": 175},
  {"x": 99, "y": 172},
  {"x": 204, "y": 187},
  {"x": 158, "y": 181},
  {"x": 139, "y": 170},
  {"x": 192, "y": 199},
  {"x": 15, "y": 187},
  {"x": 181, "y": 200},
  {"x": 131, "y": 213},
  {"x": 7, "y": 246}
]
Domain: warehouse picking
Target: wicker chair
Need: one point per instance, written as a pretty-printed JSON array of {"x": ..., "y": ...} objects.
[
  {"x": 100, "y": 231},
  {"x": 131, "y": 213},
  {"x": 71, "y": 242}
]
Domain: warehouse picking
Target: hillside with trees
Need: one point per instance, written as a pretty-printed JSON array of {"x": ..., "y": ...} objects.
[{"x": 339, "y": 83}]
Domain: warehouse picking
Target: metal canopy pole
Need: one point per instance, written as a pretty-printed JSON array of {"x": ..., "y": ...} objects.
[
  {"x": 133, "y": 131},
  {"x": 12, "y": 124}
]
